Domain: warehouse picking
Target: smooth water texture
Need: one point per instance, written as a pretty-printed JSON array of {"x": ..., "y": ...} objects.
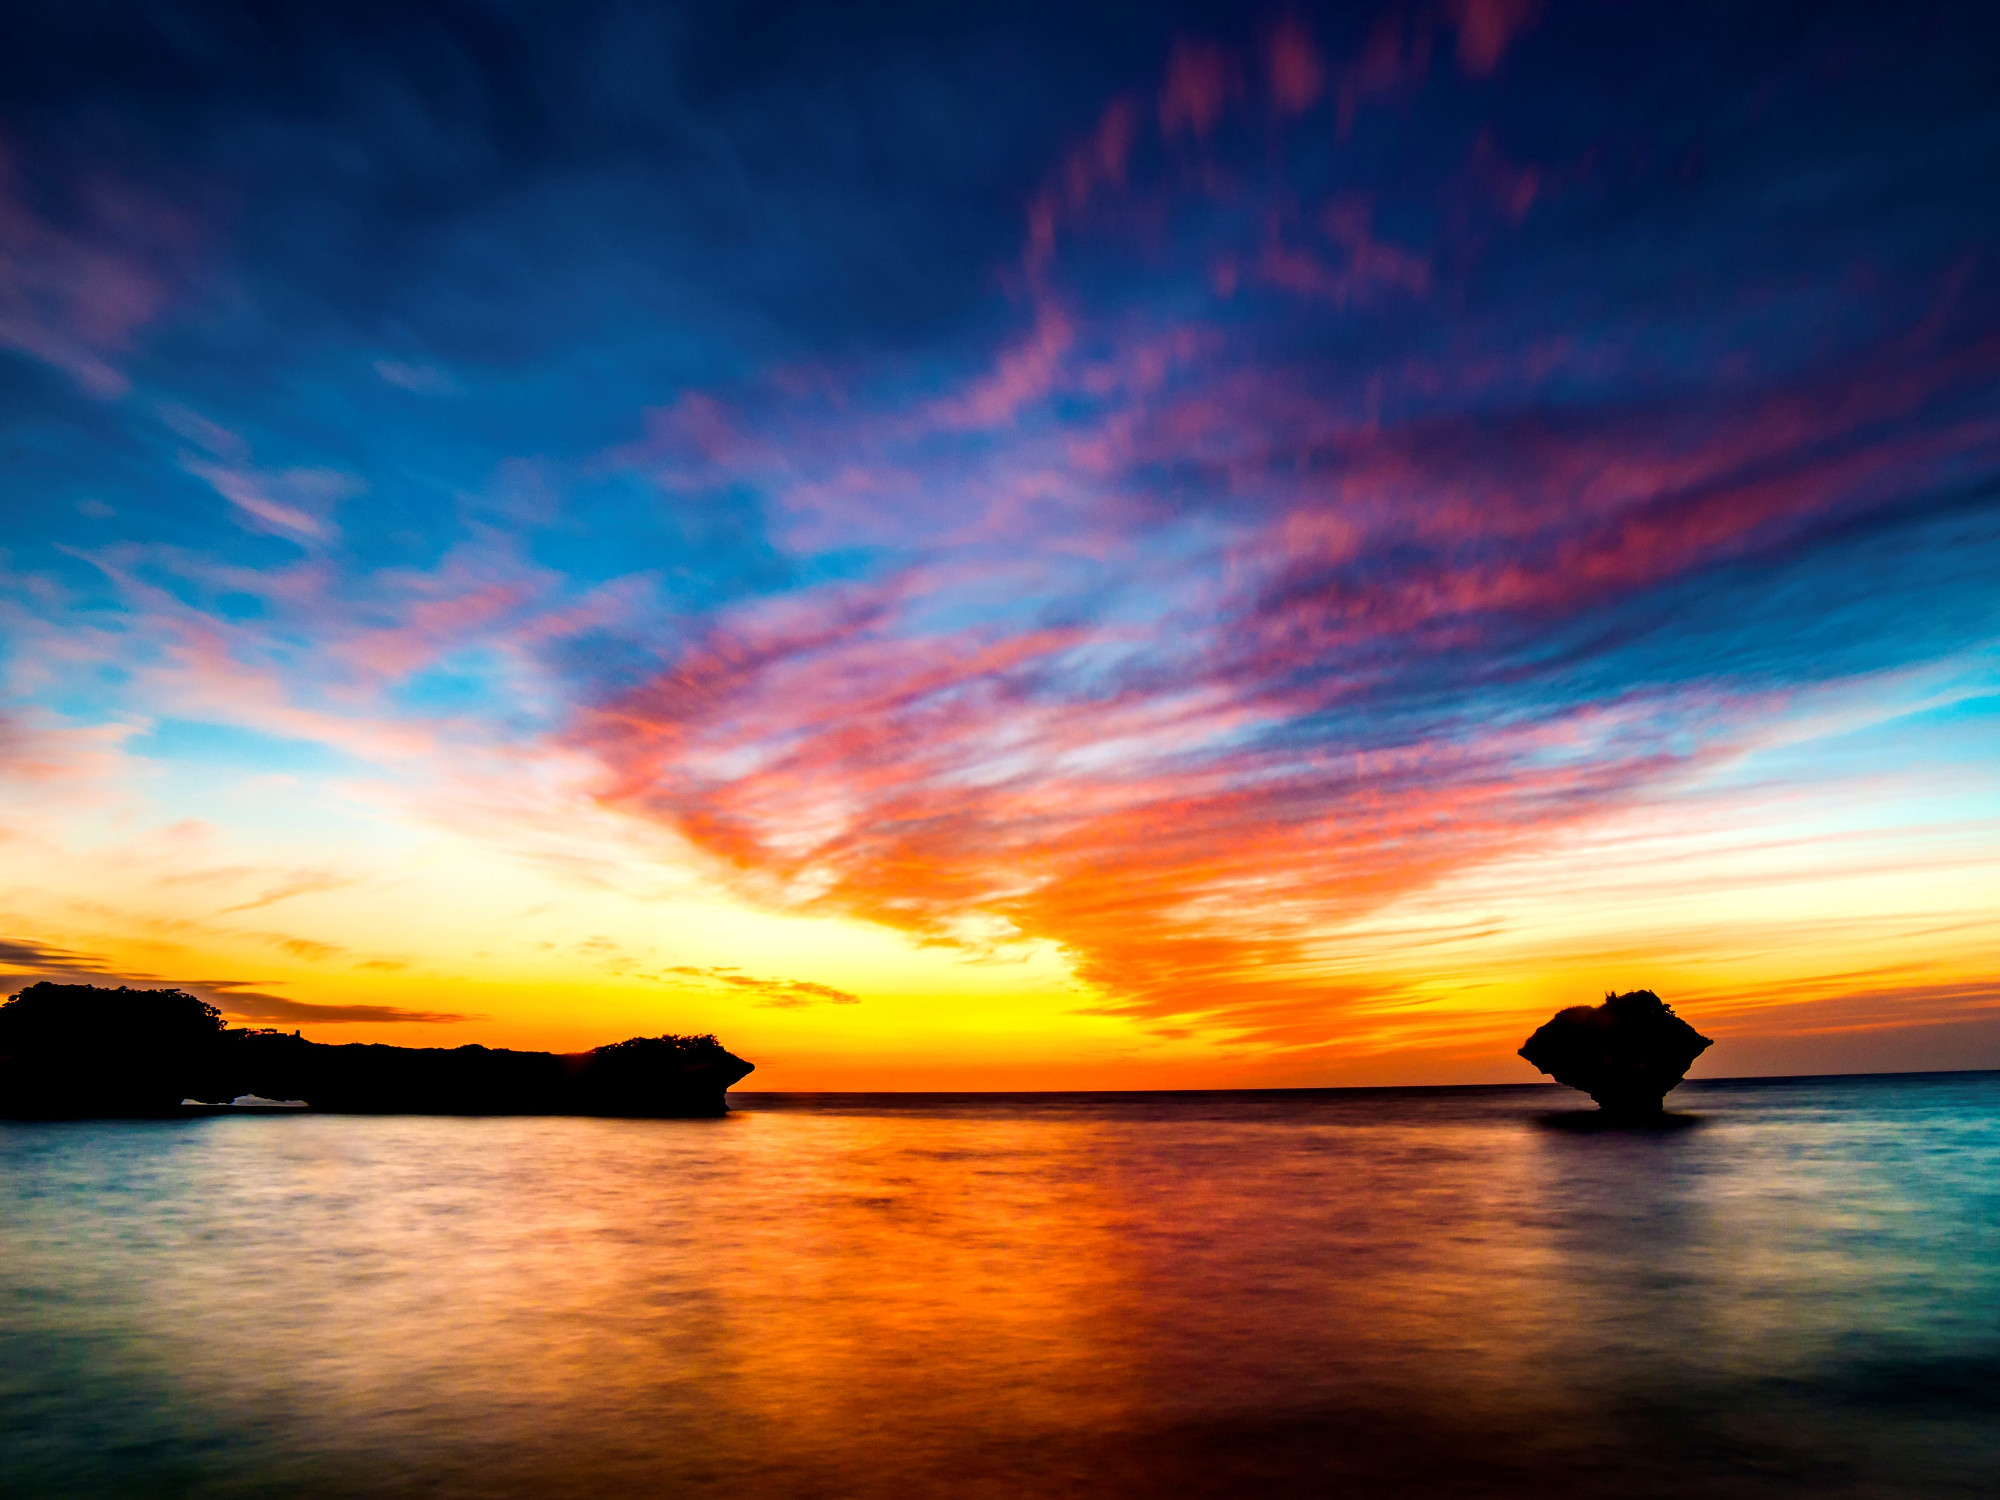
[{"x": 1438, "y": 1292}]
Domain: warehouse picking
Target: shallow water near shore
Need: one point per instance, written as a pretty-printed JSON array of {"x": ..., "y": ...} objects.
[{"x": 1439, "y": 1292}]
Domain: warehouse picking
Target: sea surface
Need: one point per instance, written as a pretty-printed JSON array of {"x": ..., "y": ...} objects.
[{"x": 1440, "y": 1292}]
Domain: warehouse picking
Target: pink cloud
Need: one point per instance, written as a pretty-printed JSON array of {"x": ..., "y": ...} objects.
[
  {"x": 284, "y": 503},
  {"x": 1126, "y": 789},
  {"x": 1296, "y": 70},
  {"x": 72, "y": 295},
  {"x": 1101, "y": 160},
  {"x": 1201, "y": 79},
  {"x": 1486, "y": 28},
  {"x": 428, "y": 628},
  {"x": 1369, "y": 265},
  {"x": 324, "y": 659},
  {"x": 1396, "y": 55},
  {"x": 47, "y": 755},
  {"x": 1022, "y": 375},
  {"x": 1513, "y": 188}
]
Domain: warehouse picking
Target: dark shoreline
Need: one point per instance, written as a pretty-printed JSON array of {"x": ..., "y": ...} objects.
[
  {"x": 1385, "y": 1090},
  {"x": 76, "y": 1051}
]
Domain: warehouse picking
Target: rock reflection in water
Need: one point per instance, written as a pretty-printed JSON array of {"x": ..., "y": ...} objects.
[{"x": 1426, "y": 1292}]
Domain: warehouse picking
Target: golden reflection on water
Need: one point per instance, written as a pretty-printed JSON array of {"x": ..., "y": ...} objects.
[{"x": 957, "y": 1299}]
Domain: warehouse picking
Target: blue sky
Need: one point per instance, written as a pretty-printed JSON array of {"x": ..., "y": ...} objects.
[{"x": 1159, "y": 488}]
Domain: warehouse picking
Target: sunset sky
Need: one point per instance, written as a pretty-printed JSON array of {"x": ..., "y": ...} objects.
[{"x": 1028, "y": 546}]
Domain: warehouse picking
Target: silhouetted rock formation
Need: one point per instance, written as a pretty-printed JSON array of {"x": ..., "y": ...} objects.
[
  {"x": 1626, "y": 1053},
  {"x": 70, "y": 1051}
]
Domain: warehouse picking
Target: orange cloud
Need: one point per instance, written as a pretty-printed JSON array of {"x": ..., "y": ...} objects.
[{"x": 773, "y": 994}]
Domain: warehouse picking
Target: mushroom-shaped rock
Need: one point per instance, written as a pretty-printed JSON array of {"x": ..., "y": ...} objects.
[{"x": 1626, "y": 1053}]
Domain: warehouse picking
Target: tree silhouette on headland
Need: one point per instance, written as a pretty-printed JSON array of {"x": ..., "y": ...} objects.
[
  {"x": 75, "y": 1050},
  {"x": 81, "y": 1049}
]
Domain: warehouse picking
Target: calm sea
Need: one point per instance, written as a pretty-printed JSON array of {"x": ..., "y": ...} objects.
[{"x": 1435, "y": 1292}]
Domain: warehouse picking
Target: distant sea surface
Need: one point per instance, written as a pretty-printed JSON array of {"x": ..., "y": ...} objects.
[{"x": 1440, "y": 1292}]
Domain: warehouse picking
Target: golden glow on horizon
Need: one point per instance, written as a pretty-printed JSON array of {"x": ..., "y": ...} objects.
[{"x": 1772, "y": 933}]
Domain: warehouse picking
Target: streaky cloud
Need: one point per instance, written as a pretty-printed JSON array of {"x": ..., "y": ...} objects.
[{"x": 1222, "y": 505}]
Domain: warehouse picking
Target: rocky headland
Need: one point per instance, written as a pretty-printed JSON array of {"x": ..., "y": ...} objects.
[{"x": 70, "y": 1051}]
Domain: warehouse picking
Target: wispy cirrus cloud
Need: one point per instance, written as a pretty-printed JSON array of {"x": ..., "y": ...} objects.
[
  {"x": 236, "y": 999},
  {"x": 771, "y": 994},
  {"x": 1210, "y": 655},
  {"x": 1330, "y": 472},
  {"x": 238, "y": 1002},
  {"x": 307, "y": 883},
  {"x": 76, "y": 287},
  {"x": 39, "y": 958}
]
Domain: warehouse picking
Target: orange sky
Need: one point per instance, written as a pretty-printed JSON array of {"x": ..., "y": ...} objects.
[{"x": 1846, "y": 926}]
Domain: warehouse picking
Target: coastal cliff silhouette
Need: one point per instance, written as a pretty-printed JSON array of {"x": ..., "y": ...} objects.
[
  {"x": 1627, "y": 1053},
  {"x": 70, "y": 1051}
]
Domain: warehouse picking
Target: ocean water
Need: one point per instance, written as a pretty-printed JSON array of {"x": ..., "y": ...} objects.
[{"x": 1434, "y": 1292}]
